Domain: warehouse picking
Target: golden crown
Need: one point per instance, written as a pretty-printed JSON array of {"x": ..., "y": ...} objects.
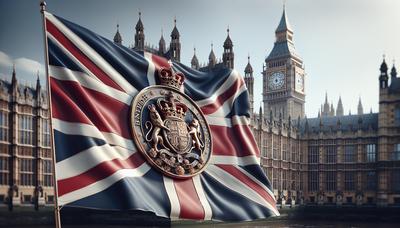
[
  {"x": 172, "y": 108},
  {"x": 169, "y": 78}
]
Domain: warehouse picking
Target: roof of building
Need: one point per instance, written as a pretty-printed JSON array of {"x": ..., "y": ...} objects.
[
  {"x": 117, "y": 36},
  {"x": 342, "y": 123},
  {"x": 249, "y": 68},
  {"x": 283, "y": 49}
]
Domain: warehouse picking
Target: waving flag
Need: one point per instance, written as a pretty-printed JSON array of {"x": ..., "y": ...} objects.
[{"x": 98, "y": 165}]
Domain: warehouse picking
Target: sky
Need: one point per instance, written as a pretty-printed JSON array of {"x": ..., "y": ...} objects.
[{"x": 342, "y": 42}]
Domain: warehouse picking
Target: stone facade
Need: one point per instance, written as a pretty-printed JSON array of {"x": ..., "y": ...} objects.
[{"x": 25, "y": 154}]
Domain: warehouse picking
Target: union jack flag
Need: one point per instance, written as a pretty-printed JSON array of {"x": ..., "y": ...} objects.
[{"x": 93, "y": 82}]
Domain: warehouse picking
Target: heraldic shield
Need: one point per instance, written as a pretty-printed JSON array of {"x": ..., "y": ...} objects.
[{"x": 169, "y": 129}]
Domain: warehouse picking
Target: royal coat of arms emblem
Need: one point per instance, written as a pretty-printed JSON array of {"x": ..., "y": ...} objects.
[{"x": 169, "y": 129}]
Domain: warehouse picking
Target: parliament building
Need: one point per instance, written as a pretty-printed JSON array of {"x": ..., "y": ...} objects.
[{"x": 333, "y": 159}]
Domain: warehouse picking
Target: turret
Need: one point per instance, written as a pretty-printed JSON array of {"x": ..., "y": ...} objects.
[
  {"x": 195, "y": 61},
  {"x": 139, "y": 36},
  {"x": 228, "y": 55},
  {"x": 175, "y": 45},
  {"x": 161, "y": 45},
  {"x": 249, "y": 80},
  {"x": 360, "y": 109},
  {"x": 393, "y": 73},
  {"x": 117, "y": 36},
  {"x": 383, "y": 77}
]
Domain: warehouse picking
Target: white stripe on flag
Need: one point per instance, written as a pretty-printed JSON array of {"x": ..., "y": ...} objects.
[
  {"x": 103, "y": 184},
  {"x": 257, "y": 181},
  {"x": 173, "y": 198},
  {"x": 236, "y": 185},
  {"x": 92, "y": 55},
  {"x": 233, "y": 160},
  {"x": 151, "y": 68},
  {"x": 87, "y": 81},
  {"x": 227, "y": 106},
  {"x": 91, "y": 131},
  {"x": 225, "y": 86},
  {"x": 89, "y": 158},
  {"x": 227, "y": 122},
  {"x": 202, "y": 196}
]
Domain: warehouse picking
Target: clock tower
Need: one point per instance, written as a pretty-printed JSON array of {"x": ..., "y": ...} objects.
[{"x": 284, "y": 76}]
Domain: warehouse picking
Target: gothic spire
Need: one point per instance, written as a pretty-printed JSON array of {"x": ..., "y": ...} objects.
[
  {"x": 139, "y": 25},
  {"x": 228, "y": 42},
  {"x": 212, "y": 60},
  {"x": 228, "y": 55},
  {"x": 339, "y": 109},
  {"x": 249, "y": 68},
  {"x": 14, "y": 75},
  {"x": 139, "y": 35},
  {"x": 284, "y": 24},
  {"x": 195, "y": 61},
  {"x": 383, "y": 78},
  {"x": 161, "y": 44},
  {"x": 360, "y": 110},
  {"x": 175, "y": 33},
  {"x": 393, "y": 72},
  {"x": 117, "y": 36}
]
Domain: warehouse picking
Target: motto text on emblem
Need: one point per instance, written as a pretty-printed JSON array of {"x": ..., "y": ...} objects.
[{"x": 169, "y": 128}]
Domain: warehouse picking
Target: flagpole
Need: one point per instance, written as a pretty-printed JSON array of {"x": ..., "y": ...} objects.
[{"x": 46, "y": 59}]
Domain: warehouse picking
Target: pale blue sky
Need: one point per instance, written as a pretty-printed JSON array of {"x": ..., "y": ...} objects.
[{"x": 340, "y": 41}]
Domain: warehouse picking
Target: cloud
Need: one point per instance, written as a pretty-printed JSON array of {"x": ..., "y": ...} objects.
[
  {"x": 5, "y": 60},
  {"x": 26, "y": 65}
]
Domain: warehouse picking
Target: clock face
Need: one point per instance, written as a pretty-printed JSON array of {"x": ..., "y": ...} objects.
[
  {"x": 276, "y": 81},
  {"x": 299, "y": 83}
]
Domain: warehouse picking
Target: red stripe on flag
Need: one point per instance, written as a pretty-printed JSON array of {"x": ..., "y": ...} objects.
[
  {"x": 98, "y": 173},
  {"x": 74, "y": 103},
  {"x": 189, "y": 201},
  {"x": 233, "y": 141},
  {"x": 160, "y": 62},
  {"x": 80, "y": 55},
  {"x": 249, "y": 182},
  {"x": 211, "y": 108}
]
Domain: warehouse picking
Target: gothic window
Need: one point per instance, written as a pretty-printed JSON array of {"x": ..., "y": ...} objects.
[
  {"x": 371, "y": 180},
  {"x": 294, "y": 157},
  {"x": 284, "y": 180},
  {"x": 3, "y": 126},
  {"x": 45, "y": 133},
  {"x": 26, "y": 171},
  {"x": 47, "y": 173},
  {"x": 25, "y": 130},
  {"x": 4, "y": 171},
  {"x": 276, "y": 147},
  {"x": 313, "y": 154},
  {"x": 349, "y": 184},
  {"x": 264, "y": 146},
  {"x": 331, "y": 181},
  {"x": 349, "y": 153},
  {"x": 313, "y": 181},
  {"x": 275, "y": 179},
  {"x": 396, "y": 152},
  {"x": 397, "y": 116},
  {"x": 371, "y": 152},
  {"x": 284, "y": 149},
  {"x": 331, "y": 152},
  {"x": 395, "y": 181}
]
